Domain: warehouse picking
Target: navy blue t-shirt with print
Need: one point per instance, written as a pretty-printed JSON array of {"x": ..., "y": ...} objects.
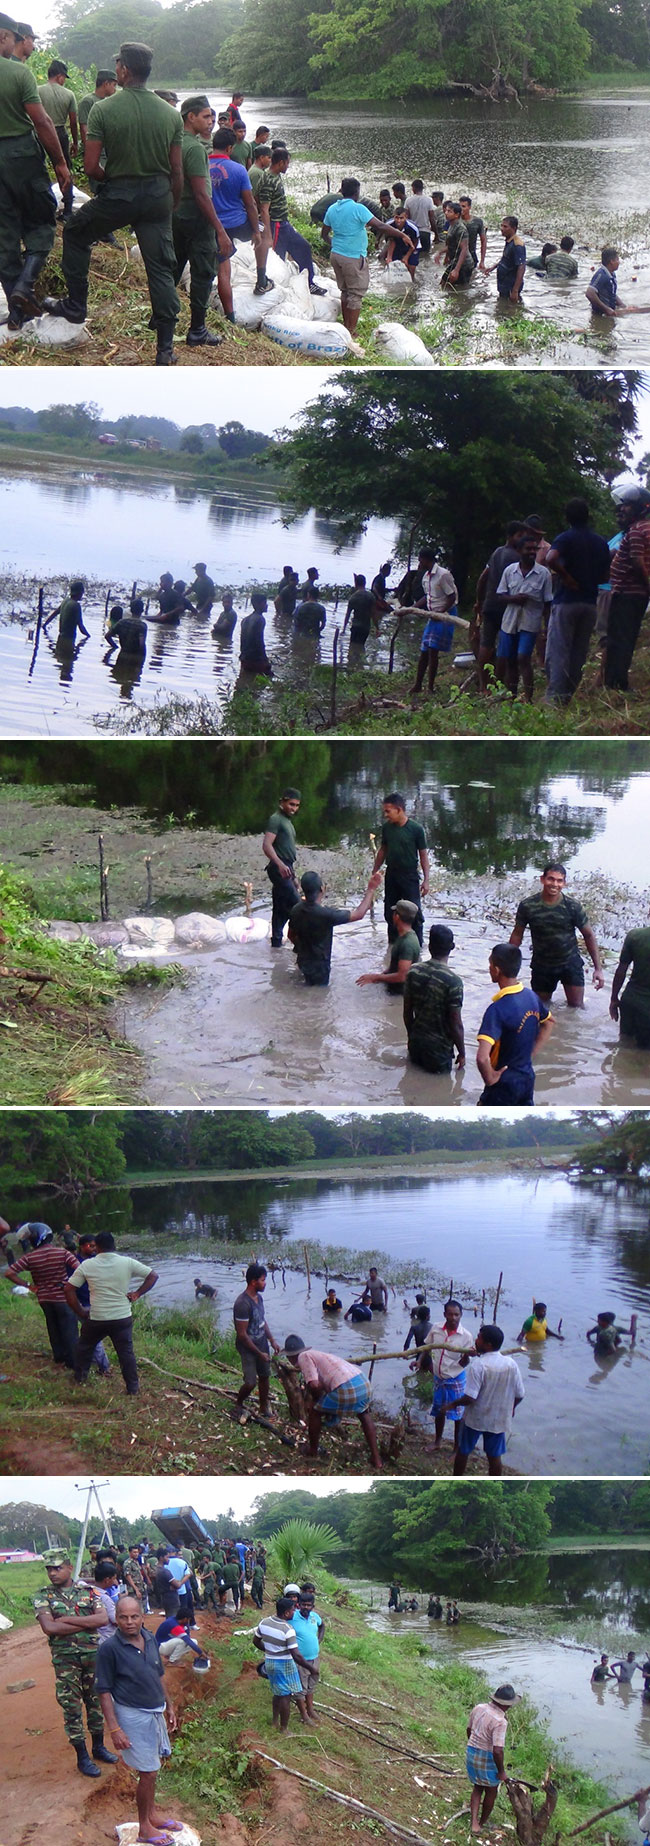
[
  {"x": 513, "y": 256},
  {"x": 510, "y": 1026},
  {"x": 606, "y": 287}
]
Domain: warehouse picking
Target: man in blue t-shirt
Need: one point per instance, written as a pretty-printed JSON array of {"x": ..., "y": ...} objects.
[
  {"x": 234, "y": 203},
  {"x": 347, "y": 222},
  {"x": 309, "y": 1628},
  {"x": 579, "y": 560},
  {"x": 514, "y": 1023},
  {"x": 602, "y": 293}
]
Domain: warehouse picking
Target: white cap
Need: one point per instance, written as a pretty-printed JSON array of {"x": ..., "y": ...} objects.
[{"x": 291, "y": 1589}]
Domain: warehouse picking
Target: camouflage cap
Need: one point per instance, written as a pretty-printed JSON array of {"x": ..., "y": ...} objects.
[{"x": 56, "y": 1554}]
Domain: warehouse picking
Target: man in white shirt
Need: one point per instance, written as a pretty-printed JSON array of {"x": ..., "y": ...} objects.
[
  {"x": 451, "y": 1342},
  {"x": 493, "y": 1389},
  {"x": 526, "y": 595},
  {"x": 109, "y": 1277},
  {"x": 439, "y": 596}
]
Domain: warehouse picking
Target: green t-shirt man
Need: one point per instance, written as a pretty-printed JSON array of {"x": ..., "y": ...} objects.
[
  {"x": 58, "y": 102},
  {"x": 137, "y": 131},
  {"x": 70, "y": 619},
  {"x": 241, "y": 152},
  {"x": 256, "y": 175},
  {"x": 402, "y": 847},
  {"x": 405, "y": 948},
  {"x": 195, "y": 166},
  {"x": 230, "y": 1575},
  {"x": 285, "y": 843},
  {"x": 636, "y": 951},
  {"x": 17, "y": 87},
  {"x": 85, "y": 107}
]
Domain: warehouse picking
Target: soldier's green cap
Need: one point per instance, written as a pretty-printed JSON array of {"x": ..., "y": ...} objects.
[
  {"x": 8, "y": 25},
  {"x": 56, "y": 1554},
  {"x": 192, "y": 104}
]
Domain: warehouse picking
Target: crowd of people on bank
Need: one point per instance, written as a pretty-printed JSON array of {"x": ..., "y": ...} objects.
[
  {"x": 538, "y": 599},
  {"x": 194, "y": 185},
  {"x": 477, "y": 1386},
  {"x": 113, "y": 1668}
]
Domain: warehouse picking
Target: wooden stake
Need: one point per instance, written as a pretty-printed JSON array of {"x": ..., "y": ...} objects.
[
  {"x": 100, "y": 847},
  {"x": 37, "y": 636},
  {"x": 149, "y": 899},
  {"x": 307, "y": 1268},
  {"x": 346, "y": 1801},
  {"x": 335, "y": 672},
  {"x": 603, "y": 1812},
  {"x": 372, "y": 1362},
  {"x": 498, "y": 1293}
]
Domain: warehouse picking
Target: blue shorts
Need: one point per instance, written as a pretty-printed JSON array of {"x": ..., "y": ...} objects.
[
  {"x": 468, "y": 1440},
  {"x": 439, "y": 635},
  {"x": 515, "y": 647}
]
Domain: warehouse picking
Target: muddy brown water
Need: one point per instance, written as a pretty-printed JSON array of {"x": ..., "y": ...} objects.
[{"x": 577, "y": 164}]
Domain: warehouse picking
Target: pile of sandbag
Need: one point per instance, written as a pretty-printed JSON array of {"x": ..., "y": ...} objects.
[
  {"x": 78, "y": 198},
  {"x": 288, "y": 313},
  {"x": 46, "y": 330}
]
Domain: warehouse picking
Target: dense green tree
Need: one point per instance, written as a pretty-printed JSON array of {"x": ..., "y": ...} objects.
[
  {"x": 269, "y": 51},
  {"x": 185, "y": 38},
  {"x": 619, "y": 33},
  {"x": 68, "y": 1153},
  {"x": 239, "y": 443},
  {"x": 70, "y": 420},
  {"x": 453, "y": 463},
  {"x": 192, "y": 443}
]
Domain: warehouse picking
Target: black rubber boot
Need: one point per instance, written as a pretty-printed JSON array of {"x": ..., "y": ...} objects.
[
  {"x": 84, "y": 1762},
  {"x": 165, "y": 354},
  {"x": 63, "y": 308},
  {"x": 22, "y": 301},
  {"x": 8, "y": 283},
  {"x": 100, "y": 1752},
  {"x": 201, "y": 336}
]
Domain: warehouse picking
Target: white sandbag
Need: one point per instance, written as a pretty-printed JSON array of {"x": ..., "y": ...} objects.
[
  {"x": 298, "y": 302},
  {"x": 247, "y": 929},
  {"x": 247, "y": 308},
  {"x": 79, "y": 198},
  {"x": 329, "y": 308},
  {"x": 317, "y": 339},
  {"x": 243, "y": 265},
  {"x": 278, "y": 270},
  {"x": 5, "y": 1624},
  {"x": 48, "y": 330},
  {"x": 135, "y": 254},
  {"x": 401, "y": 343},
  {"x": 128, "y": 1831},
  {"x": 150, "y": 932},
  {"x": 19, "y": 1290},
  {"x": 397, "y": 280},
  {"x": 184, "y": 280},
  {"x": 130, "y": 952},
  {"x": 197, "y": 931}
]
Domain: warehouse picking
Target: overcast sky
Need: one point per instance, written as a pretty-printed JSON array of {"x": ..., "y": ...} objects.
[
  {"x": 260, "y": 399},
  {"x": 136, "y": 1496}
]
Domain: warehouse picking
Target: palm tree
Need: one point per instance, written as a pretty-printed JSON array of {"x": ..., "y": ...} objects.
[{"x": 298, "y": 1547}]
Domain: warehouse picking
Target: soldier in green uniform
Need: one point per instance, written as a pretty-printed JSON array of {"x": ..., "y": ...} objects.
[
  {"x": 134, "y": 1575},
  {"x": 61, "y": 106},
  {"x": 199, "y": 236},
  {"x": 105, "y": 85},
  {"x": 69, "y": 1614},
  {"x": 141, "y": 183},
  {"x": 27, "y": 202}
]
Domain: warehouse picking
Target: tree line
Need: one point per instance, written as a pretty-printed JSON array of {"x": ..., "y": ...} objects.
[
  {"x": 82, "y": 424},
  {"x": 77, "y": 1153},
  {"x": 396, "y": 50},
  {"x": 397, "y": 1523}
]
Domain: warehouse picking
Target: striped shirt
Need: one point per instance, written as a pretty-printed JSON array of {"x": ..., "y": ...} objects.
[
  {"x": 49, "y": 1269},
  {"x": 631, "y": 563},
  {"x": 279, "y": 1638}
]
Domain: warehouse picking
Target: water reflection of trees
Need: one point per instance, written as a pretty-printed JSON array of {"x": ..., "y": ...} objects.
[
  {"x": 509, "y": 825},
  {"x": 610, "y": 1216},
  {"x": 605, "y": 1586},
  {"x": 224, "y": 511}
]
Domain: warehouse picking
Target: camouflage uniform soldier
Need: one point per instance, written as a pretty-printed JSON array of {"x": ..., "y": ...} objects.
[
  {"x": 134, "y": 1576},
  {"x": 69, "y": 1613}
]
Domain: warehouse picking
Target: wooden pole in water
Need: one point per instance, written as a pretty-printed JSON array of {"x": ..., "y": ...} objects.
[
  {"x": 372, "y": 1362},
  {"x": 391, "y": 650},
  {"x": 498, "y": 1293},
  {"x": 308, "y": 1268},
  {"x": 335, "y": 673},
  {"x": 483, "y": 1305},
  {"x": 37, "y": 636}
]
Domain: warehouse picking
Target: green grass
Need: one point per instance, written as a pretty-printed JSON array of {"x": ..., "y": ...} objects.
[
  {"x": 60, "y": 1045},
  {"x": 19, "y": 1583}
]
